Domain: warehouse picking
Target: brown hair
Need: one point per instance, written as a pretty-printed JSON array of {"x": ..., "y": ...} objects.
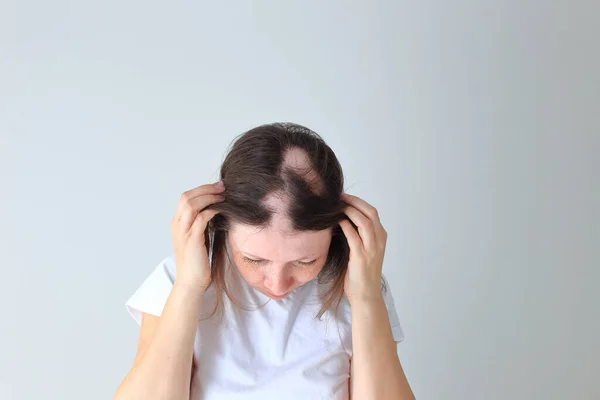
[{"x": 254, "y": 168}]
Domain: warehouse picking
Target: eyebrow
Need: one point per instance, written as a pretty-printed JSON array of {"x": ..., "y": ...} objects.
[{"x": 310, "y": 257}]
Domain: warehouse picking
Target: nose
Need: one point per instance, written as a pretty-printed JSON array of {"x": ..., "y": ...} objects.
[{"x": 277, "y": 281}]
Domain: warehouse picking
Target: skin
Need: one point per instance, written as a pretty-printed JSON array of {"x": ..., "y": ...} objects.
[
  {"x": 276, "y": 260},
  {"x": 376, "y": 372},
  {"x": 163, "y": 365}
]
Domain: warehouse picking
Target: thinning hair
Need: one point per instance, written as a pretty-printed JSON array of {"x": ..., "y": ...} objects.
[{"x": 294, "y": 162}]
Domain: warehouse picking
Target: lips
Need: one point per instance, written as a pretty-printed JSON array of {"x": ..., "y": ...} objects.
[{"x": 277, "y": 297}]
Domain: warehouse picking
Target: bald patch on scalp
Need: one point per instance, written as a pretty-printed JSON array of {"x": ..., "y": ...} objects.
[
  {"x": 298, "y": 161},
  {"x": 279, "y": 202}
]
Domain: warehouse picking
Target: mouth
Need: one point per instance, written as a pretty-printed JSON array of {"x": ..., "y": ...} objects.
[{"x": 271, "y": 295}]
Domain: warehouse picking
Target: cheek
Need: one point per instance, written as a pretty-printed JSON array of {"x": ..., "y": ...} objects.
[
  {"x": 303, "y": 275},
  {"x": 251, "y": 274}
]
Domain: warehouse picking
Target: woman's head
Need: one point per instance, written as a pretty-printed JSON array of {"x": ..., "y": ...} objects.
[
  {"x": 276, "y": 259},
  {"x": 281, "y": 212}
]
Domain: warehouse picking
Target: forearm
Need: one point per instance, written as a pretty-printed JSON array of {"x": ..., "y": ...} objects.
[
  {"x": 163, "y": 371},
  {"x": 376, "y": 370}
]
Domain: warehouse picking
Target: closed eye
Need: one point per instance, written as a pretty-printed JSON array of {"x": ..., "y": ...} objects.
[
  {"x": 258, "y": 262},
  {"x": 253, "y": 261},
  {"x": 306, "y": 264}
]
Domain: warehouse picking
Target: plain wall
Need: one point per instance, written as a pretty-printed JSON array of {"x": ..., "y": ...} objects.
[{"x": 473, "y": 126}]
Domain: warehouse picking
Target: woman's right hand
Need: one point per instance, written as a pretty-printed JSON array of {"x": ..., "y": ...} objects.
[{"x": 188, "y": 229}]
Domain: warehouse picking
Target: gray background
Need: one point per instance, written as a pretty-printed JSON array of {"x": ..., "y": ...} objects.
[{"x": 473, "y": 126}]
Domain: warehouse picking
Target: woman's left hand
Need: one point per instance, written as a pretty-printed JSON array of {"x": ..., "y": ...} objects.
[{"x": 367, "y": 249}]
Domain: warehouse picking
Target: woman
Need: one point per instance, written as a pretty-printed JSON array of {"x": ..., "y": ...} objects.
[{"x": 275, "y": 289}]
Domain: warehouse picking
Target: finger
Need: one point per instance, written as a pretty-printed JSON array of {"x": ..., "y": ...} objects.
[
  {"x": 200, "y": 223},
  {"x": 364, "y": 225},
  {"x": 362, "y": 206},
  {"x": 198, "y": 203},
  {"x": 211, "y": 188},
  {"x": 191, "y": 208},
  {"x": 367, "y": 209},
  {"x": 352, "y": 236}
]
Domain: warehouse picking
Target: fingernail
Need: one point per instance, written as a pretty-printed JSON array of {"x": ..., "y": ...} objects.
[{"x": 220, "y": 185}]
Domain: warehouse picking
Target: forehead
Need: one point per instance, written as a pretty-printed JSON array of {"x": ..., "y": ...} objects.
[{"x": 278, "y": 242}]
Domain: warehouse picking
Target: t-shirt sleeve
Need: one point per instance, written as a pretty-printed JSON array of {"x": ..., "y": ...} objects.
[
  {"x": 397, "y": 331},
  {"x": 152, "y": 295}
]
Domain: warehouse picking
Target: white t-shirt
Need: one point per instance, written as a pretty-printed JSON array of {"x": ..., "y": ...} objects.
[{"x": 269, "y": 352}]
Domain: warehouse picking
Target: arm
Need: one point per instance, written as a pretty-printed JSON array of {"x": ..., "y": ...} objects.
[
  {"x": 376, "y": 373},
  {"x": 375, "y": 368},
  {"x": 163, "y": 364}
]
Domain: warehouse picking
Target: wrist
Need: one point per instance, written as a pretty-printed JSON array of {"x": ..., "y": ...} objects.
[
  {"x": 366, "y": 300},
  {"x": 190, "y": 287}
]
